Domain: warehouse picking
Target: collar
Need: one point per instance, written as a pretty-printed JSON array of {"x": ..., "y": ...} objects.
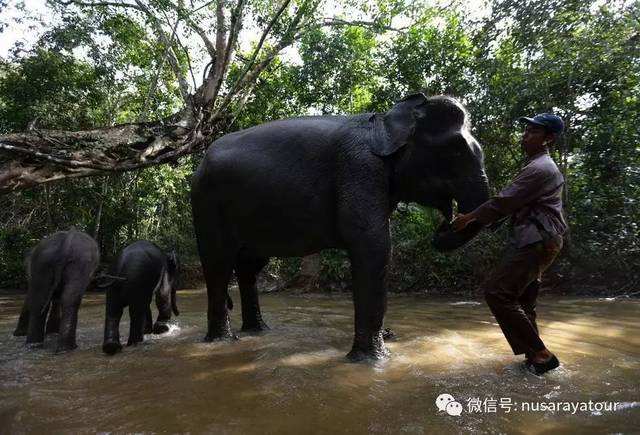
[{"x": 537, "y": 155}]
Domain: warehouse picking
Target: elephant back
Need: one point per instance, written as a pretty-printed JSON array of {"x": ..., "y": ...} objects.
[
  {"x": 141, "y": 264},
  {"x": 60, "y": 257}
]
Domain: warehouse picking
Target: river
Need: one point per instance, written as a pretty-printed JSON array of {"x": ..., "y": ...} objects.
[{"x": 295, "y": 379}]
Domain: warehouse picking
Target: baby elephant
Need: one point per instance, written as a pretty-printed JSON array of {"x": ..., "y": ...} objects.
[
  {"x": 59, "y": 270},
  {"x": 143, "y": 269}
]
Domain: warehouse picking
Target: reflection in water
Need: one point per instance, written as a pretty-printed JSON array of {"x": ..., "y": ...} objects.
[{"x": 295, "y": 376}]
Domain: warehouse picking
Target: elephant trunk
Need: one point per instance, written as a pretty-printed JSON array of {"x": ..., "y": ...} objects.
[{"x": 472, "y": 194}]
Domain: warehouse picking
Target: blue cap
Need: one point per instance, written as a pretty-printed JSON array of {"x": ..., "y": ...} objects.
[{"x": 553, "y": 123}]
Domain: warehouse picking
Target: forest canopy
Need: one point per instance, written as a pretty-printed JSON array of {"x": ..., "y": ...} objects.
[{"x": 107, "y": 106}]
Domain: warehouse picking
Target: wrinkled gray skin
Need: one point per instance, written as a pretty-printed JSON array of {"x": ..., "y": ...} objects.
[
  {"x": 59, "y": 270},
  {"x": 144, "y": 270},
  {"x": 296, "y": 186}
]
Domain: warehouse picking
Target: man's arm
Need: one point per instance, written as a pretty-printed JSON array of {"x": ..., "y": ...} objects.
[{"x": 526, "y": 187}]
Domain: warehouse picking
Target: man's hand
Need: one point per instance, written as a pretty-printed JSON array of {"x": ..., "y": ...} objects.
[{"x": 461, "y": 221}]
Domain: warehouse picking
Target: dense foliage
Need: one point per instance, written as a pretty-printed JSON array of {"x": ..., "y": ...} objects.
[{"x": 579, "y": 59}]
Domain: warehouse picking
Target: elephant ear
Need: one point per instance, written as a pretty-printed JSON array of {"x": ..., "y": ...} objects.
[
  {"x": 394, "y": 129},
  {"x": 173, "y": 277},
  {"x": 173, "y": 266},
  {"x": 172, "y": 261}
]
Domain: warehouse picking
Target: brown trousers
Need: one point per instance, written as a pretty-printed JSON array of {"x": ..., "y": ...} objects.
[{"x": 512, "y": 290}]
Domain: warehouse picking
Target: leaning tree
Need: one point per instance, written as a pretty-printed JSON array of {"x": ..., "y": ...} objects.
[{"x": 211, "y": 97}]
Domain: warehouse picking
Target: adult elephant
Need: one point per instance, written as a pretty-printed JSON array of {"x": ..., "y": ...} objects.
[
  {"x": 59, "y": 270},
  {"x": 296, "y": 186},
  {"x": 141, "y": 270}
]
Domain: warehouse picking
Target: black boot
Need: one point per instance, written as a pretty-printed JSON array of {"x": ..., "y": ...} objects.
[{"x": 542, "y": 368}]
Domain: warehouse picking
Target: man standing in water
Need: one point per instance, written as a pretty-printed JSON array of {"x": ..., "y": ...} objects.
[{"x": 534, "y": 201}]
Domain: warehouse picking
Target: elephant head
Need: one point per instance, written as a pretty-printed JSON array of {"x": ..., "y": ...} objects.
[{"x": 436, "y": 159}]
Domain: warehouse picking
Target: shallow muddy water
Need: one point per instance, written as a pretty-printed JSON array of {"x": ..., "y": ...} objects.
[{"x": 294, "y": 379}]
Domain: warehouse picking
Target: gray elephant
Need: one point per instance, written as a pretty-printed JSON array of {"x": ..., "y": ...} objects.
[
  {"x": 296, "y": 186},
  {"x": 141, "y": 270},
  {"x": 59, "y": 269}
]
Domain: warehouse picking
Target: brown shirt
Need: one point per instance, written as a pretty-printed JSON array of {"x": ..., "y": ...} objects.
[{"x": 534, "y": 199}]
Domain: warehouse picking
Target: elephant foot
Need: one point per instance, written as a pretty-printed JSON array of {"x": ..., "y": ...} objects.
[
  {"x": 255, "y": 328},
  {"x": 224, "y": 335},
  {"x": 134, "y": 342},
  {"x": 20, "y": 332},
  {"x": 53, "y": 327},
  {"x": 149, "y": 330},
  {"x": 220, "y": 331},
  {"x": 371, "y": 348},
  {"x": 359, "y": 355},
  {"x": 388, "y": 334},
  {"x": 160, "y": 328},
  {"x": 34, "y": 344},
  {"x": 111, "y": 347},
  {"x": 228, "y": 337},
  {"x": 66, "y": 347}
]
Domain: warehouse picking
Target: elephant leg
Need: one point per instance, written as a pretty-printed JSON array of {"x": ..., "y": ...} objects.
[
  {"x": 148, "y": 321},
  {"x": 23, "y": 321},
  {"x": 217, "y": 276},
  {"x": 218, "y": 253},
  {"x": 35, "y": 329},
  {"x": 369, "y": 263},
  {"x": 161, "y": 326},
  {"x": 114, "y": 307},
  {"x": 247, "y": 270},
  {"x": 138, "y": 318},
  {"x": 76, "y": 280},
  {"x": 70, "y": 304},
  {"x": 53, "y": 322}
]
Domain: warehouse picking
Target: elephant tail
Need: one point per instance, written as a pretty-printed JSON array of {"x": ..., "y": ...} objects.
[{"x": 43, "y": 284}]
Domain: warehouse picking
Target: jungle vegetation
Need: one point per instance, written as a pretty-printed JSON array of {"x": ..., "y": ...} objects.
[{"x": 176, "y": 74}]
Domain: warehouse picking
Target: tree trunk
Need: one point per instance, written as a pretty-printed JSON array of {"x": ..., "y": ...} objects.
[
  {"x": 98, "y": 221},
  {"x": 564, "y": 168},
  {"x": 308, "y": 277}
]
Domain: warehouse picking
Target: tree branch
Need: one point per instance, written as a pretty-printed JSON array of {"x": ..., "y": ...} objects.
[
  {"x": 173, "y": 60},
  {"x": 236, "y": 25},
  {"x": 211, "y": 49},
  {"x": 38, "y": 157},
  {"x": 338, "y": 22},
  {"x": 243, "y": 77},
  {"x": 154, "y": 82},
  {"x": 28, "y": 159},
  {"x": 212, "y": 84},
  {"x": 185, "y": 15},
  {"x": 209, "y": 3},
  {"x": 97, "y": 3}
]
